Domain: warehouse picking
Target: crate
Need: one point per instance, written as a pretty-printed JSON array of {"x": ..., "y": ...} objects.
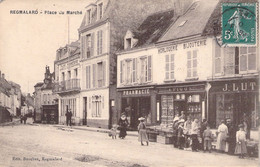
[
  {"x": 164, "y": 139},
  {"x": 152, "y": 137}
]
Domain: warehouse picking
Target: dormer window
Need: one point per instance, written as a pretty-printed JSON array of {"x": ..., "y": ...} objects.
[
  {"x": 128, "y": 43},
  {"x": 89, "y": 16},
  {"x": 100, "y": 10}
]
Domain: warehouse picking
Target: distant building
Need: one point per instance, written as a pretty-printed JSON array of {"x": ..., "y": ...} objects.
[
  {"x": 46, "y": 107},
  {"x": 10, "y": 99}
]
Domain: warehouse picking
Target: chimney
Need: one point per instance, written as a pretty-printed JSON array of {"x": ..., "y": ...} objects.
[
  {"x": 0, "y": 74},
  {"x": 3, "y": 76}
]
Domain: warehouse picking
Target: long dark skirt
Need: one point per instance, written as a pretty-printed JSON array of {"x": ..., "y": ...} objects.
[{"x": 122, "y": 133}]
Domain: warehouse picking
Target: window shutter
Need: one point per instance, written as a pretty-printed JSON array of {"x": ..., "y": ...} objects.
[
  {"x": 104, "y": 73},
  {"x": 83, "y": 46},
  {"x": 121, "y": 71},
  {"x": 87, "y": 77},
  {"x": 252, "y": 58},
  {"x": 218, "y": 64},
  {"x": 229, "y": 60},
  {"x": 103, "y": 103},
  {"x": 243, "y": 59},
  {"x": 134, "y": 70},
  {"x": 167, "y": 67},
  {"x": 194, "y": 63},
  {"x": 188, "y": 64},
  {"x": 92, "y": 44},
  {"x": 172, "y": 67},
  {"x": 98, "y": 43},
  {"x": 101, "y": 42},
  {"x": 89, "y": 102},
  {"x": 94, "y": 75},
  {"x": 149, "y": 68}
]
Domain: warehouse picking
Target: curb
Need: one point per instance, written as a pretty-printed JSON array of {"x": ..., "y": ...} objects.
[{"x": 92, "y": 130}]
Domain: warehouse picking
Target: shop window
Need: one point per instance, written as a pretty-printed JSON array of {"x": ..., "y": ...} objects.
[
  {"x": 167, "y": 110},
  {"x": 224, "y": 107},
  {"x": 169, "y": 67},
  {"x": 192, "y": 64},
  {"x": 247, "y": 59}
]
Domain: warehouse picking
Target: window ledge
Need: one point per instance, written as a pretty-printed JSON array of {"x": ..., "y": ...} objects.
[
  {"x": 192, "y": 79},
  {"x": 169, "y": 80}
]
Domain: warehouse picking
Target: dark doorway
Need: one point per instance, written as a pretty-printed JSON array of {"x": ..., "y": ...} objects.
[{"x": 85, "y": 104}]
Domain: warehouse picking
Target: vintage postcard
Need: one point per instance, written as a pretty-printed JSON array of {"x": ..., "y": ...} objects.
[{"x": 132, "y": 83}]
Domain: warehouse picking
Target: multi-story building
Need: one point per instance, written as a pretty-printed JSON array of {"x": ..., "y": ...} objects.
[
  {"x": 189, "y": 71},
  {"x": 15, "y": 98},
  {"x": 46, "y": 102},
  {"x": 67, "y": 87},
  {"x": 101, "y": 35},
  {"x": 5, "y": 99}
]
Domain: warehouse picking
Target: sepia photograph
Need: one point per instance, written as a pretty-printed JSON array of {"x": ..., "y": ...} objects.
[{"x": 129, "y": 83}]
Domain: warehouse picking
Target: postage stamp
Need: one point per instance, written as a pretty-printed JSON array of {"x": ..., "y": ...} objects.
[{"x": 239, "y": 24}]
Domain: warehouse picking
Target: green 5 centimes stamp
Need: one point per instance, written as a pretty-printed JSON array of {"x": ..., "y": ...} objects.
[{"x": 239, "y": 24}]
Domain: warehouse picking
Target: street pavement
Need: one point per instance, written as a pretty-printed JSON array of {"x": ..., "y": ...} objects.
[{"x": 48, "y": 145}]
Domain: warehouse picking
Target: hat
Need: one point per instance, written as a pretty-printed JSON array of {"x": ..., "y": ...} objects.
[
  {"x": 241, "y": 126},
  {"x": 141, "y": 118},
  {"x": 123, "y": 114},
  {"x": 176, "y": 119}
]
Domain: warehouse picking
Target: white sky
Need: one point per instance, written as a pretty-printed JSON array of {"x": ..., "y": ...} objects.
[{"x": 29, "y": 42}]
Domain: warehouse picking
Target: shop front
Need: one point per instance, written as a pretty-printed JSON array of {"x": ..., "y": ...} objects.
[
  {"x": 136, "y": 103},
  {"x": 189, "y": 98},
  {"x": 50, "y": 114},
  {"x": 236, "y": 99}
]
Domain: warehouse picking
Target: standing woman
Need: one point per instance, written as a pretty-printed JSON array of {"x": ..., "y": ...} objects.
[
  {"x": 123, "y": 123},
  {"x": 241, "y": 142},
  {"x": 222, "y": 136},
  {"x": 142, "y": 135},
  {"x": 195, "y": 129}
]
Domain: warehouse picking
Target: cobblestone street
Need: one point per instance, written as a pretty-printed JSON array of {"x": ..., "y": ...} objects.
[{"x": 45, "y": 145}]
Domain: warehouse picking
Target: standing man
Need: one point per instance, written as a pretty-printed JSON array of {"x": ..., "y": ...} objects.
[
  {"x": 195, "y": 130},
  {"x": 231, "y": 139},
  {"x": 203, "y": 127},
  {"x": 68, "y": 117}
]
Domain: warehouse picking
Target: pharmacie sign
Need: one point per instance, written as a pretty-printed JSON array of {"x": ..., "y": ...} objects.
[{"x": 136, "y": 92}]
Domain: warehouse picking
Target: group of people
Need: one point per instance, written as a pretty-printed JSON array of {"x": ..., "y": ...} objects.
[
  {"x": 230, "y": 140},
  {"x": 198, "y": 136},
  {"x": 195, "y": 135},
  {"x": 188, "y": 133}
]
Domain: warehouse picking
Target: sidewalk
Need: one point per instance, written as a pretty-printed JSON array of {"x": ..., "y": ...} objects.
[{"x": 129, "y": 133}]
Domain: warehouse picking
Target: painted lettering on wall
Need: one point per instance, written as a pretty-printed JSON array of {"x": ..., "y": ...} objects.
[
  {"x": 243, "y": 86},
  {"x": 167, "y": 49},
  {"x": 194, "y": 44},
  {"x": 136, "y": 92}
]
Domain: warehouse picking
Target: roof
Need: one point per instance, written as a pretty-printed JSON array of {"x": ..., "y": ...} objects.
[
  {"x": 153, "y": 27},
  {"x": 192, "y": 22}
]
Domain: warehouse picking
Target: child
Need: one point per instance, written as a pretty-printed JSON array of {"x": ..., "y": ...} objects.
[
  {"x": 207, "y": 135},
  {"x": 113, "y": 131},
  {"x": 142, "y": 135},
  {"x": 241, "y": 142}
]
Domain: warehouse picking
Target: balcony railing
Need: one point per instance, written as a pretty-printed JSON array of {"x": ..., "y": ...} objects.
[{"x": 67, "y": 85}]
